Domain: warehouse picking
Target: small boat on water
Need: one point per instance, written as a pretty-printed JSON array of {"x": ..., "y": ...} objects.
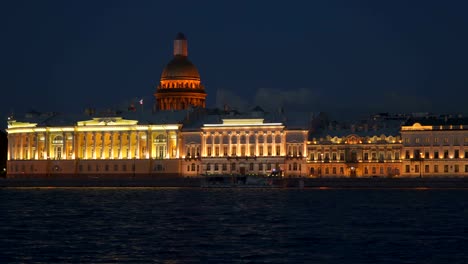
[{"x": 240, "y": 181}]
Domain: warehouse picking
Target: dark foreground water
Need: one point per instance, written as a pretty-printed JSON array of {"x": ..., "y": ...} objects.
[{"x": 184, "y": 225}]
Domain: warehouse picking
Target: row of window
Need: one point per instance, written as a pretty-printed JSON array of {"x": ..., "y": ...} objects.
[
  {"x": 89, "y": 167},
  {"x": 446, "y": 155},
  {"x": 233, "y": 166},
  {"x": 243, "y": 139},
  {"x": 59, "y": 139},
  {"x": 269, "y": 151},
  {"x": 436, "y": 168},
  {"x": 123, "y": 167},
  {"x": 436, "y": 140},
  {"x": 353, "y": 156},
  {"x": 373, "y": 170}
]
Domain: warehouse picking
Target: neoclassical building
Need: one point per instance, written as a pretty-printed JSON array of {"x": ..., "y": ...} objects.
[
  {"x": 435, "y": 147},
  {"x": 210, "y": 144},
  {"x": 100, "y": 145},
  {"x": 182, "y": 138},
  {"x": 354, "y": 155},
  {"x": 242, "y": 145}
]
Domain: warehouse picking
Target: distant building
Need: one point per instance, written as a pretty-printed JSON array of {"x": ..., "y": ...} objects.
[
  {"x": 184, "y": 139},
  {"x": 242, "y": 144},
  {"x": 180, "y": 86},
  {"x": 367, "y": 149},
  {"x": 435, "y": 146}
]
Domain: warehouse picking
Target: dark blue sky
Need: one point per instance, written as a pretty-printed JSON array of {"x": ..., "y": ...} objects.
[{"x": 338, "y": 56}]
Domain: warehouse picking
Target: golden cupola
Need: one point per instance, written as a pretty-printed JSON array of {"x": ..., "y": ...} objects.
[{"x": 180, "y": 86}]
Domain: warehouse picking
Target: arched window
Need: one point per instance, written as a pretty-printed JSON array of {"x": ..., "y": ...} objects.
[
  {"x": 261, "y": 139},
  {"x": 57, "y": 140},
  {"x": 242, "y": 139},
  {"x": 277, "y": 139},
  {"x": 269, "y": 139}
]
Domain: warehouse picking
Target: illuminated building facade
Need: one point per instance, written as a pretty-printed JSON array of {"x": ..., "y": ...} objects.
[
  {"x": 243, "y": 146},
  {"x": 368, "y": 148},
  {"x": 352, "y": 155},
  {"x": 233, "y": 145},
  {"x": 183, "y": 139},
  {"x": 107, "y": 145},
  {"x": 435, "y": 147}
]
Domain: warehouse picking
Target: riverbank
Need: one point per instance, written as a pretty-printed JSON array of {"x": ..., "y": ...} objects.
[{"x": 322, "y": 183}]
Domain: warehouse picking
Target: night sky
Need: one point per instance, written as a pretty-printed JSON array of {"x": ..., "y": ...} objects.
[{"x": 342, "y": 57}]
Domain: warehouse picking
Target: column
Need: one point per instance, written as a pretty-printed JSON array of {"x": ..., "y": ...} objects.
[
  {"x": 46, "y": 144},
  {"x": 148, "y": 147},
  {"x": 94, "y": 145},
  {"x": 36, "y": 154},
  {"x": 168, "y": 151},
  {"x": 230, "y": 143},
  {"x": 247, "y": 144},
  {"x": 137, "y": 147},
  {"x": 10, "y": 143},
  {"x": 129, "y": 150},
  {"x": 28, "y": 151},
  {"x": 86, "y": 135},
  {"x": 273, "y": 143},
  {"x": 21, "y": 154},
  {"x": 120, "y": 144},
  {"x": 203, "y": 144},
  {"x": 112, "y": 145},
  {"x": 213, "y": 144},
  {"x": 238, "y": 150},
  {"x": 103, "y": 146},
  {"x": 64, "y": 146},
  {"x": 73, "y": 147},
  {"x": 256, "y": 143},
  {"x": 304, "y": 139},
  {"x": 283, "y": 144}
]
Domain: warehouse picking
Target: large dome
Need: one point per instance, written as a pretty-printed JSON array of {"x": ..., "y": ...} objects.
[
  {"x": 180, "y": 68},
  {"x": 180, "y": 86}
]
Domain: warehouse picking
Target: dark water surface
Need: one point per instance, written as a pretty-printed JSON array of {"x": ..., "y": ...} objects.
[{"x": 191, "y": 225}]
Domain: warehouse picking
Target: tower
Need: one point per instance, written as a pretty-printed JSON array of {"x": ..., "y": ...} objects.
[{"x": 180, "y": 86}]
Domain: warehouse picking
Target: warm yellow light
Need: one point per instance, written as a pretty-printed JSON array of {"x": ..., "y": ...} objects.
[{"x": 416, "y": 126}]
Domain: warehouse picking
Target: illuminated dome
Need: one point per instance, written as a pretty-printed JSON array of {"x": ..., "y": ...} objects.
[
  {"x": 180, "y": 86},
  {"x": 180, "y": 68}
]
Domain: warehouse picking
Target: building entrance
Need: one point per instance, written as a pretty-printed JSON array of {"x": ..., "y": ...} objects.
[{"x": 242, "y": 170}]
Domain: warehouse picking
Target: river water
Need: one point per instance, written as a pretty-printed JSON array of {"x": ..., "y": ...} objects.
[{"x": 193, "y": 225}]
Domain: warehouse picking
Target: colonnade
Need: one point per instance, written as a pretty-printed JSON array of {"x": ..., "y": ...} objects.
[
  {"x": 242, "y": 144},
  {"x": 92, "y": 145},
  {"x": 178, "y": 103}
]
